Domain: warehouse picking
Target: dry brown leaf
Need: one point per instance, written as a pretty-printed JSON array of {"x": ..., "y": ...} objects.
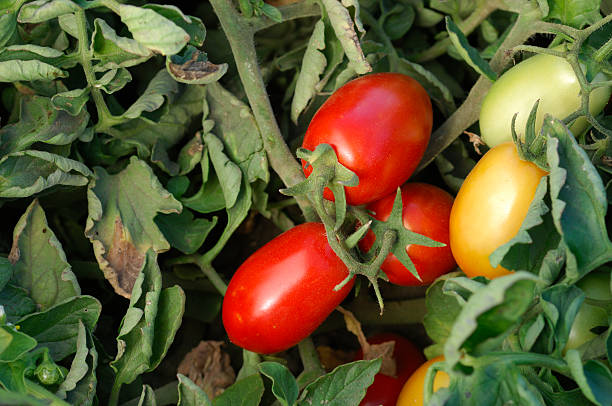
[
  {"x": 331, "y": 358},
  {"x": 208, "y": 367}
]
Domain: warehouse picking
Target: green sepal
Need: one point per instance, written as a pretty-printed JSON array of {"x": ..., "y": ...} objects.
[{"x": 532, "y": 147}]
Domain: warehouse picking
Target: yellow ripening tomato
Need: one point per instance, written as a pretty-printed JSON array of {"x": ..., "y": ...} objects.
[
  {"x": 547, "y": 78},
  {"x": 414, "y": 388},
  {"x": 490, "y": 208}
]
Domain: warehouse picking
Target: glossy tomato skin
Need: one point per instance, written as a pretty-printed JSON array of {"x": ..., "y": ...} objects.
[
  {"x": 592, "y": 313},
  {"x": 412, "y": 393},
  {"x": 545, "y": 77},
  {"x": 379, "y": 126},
  {"x": 385, "y": 389},
  {"x": 284, "y": 291},
  {"x": 426, "y": 210},
  {"x": 490, "y": 208}
]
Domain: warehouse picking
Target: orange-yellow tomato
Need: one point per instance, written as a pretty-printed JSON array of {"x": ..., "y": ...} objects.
[
  {"x": 414, "y": 388},
  {"x": 490, "y": 207}
]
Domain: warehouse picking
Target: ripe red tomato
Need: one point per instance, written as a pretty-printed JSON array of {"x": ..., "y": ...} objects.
[
  {"x": 284, "y": 291},
  {"x": 385, "y": 389},
  {"x": 379, "y": 126},
  {"x": 426, "y": 210}
]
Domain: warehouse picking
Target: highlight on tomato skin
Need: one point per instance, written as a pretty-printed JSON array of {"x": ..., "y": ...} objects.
[
  {"x": 490, "y": 207},
  {"x": 413, "y": 391},
  {"x": 385, "y": 389},
  {"x": 426, "y": 211},
  {"x": 379, "y": 126},
  {"x": 284, "y": 291}
]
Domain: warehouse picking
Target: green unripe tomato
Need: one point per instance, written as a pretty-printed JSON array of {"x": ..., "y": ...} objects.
[
  {"x": 545, "y": 77},
  {"x": 596, "y": 287}
]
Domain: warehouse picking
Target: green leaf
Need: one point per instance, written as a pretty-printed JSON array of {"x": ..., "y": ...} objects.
[
  {"x": 209, "y": 198},
  {"x": 6, "y": 272},
  {"x": 8, "y": 20},
  {"x": 230, "y": 175},
  {"x": 594, "y": 378},
  {"x": 345, "y": 385},
  {"x": 239, "y": 132},
  {"x": 120, "y": 221},
  {"x": 313, "y": 65},
  {"x": 193, "y": 67},
  {"x": 39, "y": 121},
  {"x": 192, "y": 25},
  {"x": 14, "y": 344},
  {"x": 27, "y": 173},
  {"x": 190, "y": 155},
  {"x": 113, "y": 51},
  {"x": 10, "y": 398},
  {"x": 341, "y": 21},
  {"x": 39, "y": 263},
  {"x": 245, "y": 392},
  {"x": 78, "y": 368},
  {"x": 16, "y": 302},
  {"x": 437, "y": 90},
  {"x": 153, "y": 30},
  {"x": 574, "y": 13},
  {"x": 272, "y": 12},
  {"x": 83, "y": 389},
  {"x": 27, "y": 71},
  {"x": 32, "y": 52},
  {"x": 113, "y": 80},
  {"x": 489, "y": 313},
  {"x": 191, "y": 394},
  {"x": 397, "y": 21},
  {"x": 170, "y": 309},
  {"x": 442, "y": 311},
  {"x": 72, "y": 101},
  {"x": 159, "y": 88},
  {"x": 467, "y": 52},
  {"x": 147, "y": 397},
  {"x": 561, "y": 303},
  {"x": 454, "y": 164},
  {"x": 183, "y": 232},
  {"x": 578, "y": 201},
  {"x": 284, "y": 385},
  {"x": 43, "y": 10},
  {"x": 58, "y": 327}
]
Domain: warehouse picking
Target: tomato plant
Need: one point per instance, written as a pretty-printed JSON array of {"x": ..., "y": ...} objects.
[
  {"x": 414, "y": 388},
  {"x": 379, "y": 126},
  {"x": 293, "y": 274},
  {"x": 426, "y": 210},
  {"x": 490, "y": 208},
  {"x": 593, "y": 312},
  {"x": 547, "y": 78},
  {"x": 385, "y": 389}
]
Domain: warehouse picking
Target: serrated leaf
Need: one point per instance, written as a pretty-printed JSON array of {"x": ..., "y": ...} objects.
[
  {"x": 193, "y": 67},
  {"x": 183, "y": 232},
  {"x": 192, "y": 25},
  {"x": 284, "y": 385},
  {"x": 27, "y": 71},
  {"x": 72, "y": 101},
  {"x": 153, "y": 30},
  {"x": 489, "y": 312},
  {"x": 114, "y": 51},
  {"x": 14, "y": 344},
  {"x": 574, "y": 13},
  {"x": 39, "y": 263},
  {"x": 239, "y": 132},
  {"x": 42, "y": 10},
  {"x": 437, "y": 90},
  {"x": 467, "y": 52},
  {"x": 579, "y": 201},
  {"x": 27, "y": 173},
  {"x": 313, "y": 65},
  {"x": 345, "y": 385},
  {"x": 57, "y": 328},
  {"x": 39, "y": 121},
  {"x": 191, "y": 394},
  {"x": 245, "y": 392},
  {"x": 594, "y": 378},
  {"x": 120, "y": 221},
  {"x": 158, "y": 89}
]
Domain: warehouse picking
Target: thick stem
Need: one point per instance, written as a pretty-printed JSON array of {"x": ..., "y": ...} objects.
[
  {"x": 604, "y": 52},
  {"x": 310, "y": 357},
  {"x": 212, "y": 275},
  {"x": 467, "y": 114},
  {"x": 482, "y": 11},
  {"x": 240, "y": 36}
]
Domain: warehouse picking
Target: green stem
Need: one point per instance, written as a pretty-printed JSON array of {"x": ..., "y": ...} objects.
[
  {"x": 592, "y": 28},
  {"x": 212, "y": 275},
  {"x": 40, "y": 392},
  {"x": 110, "y": 4},
  {"x": 310, "y": 357},
  {"x": 301, "y": 9},
  {"x": 240, "y": 36},
  {"x": 113, "y": 400},
  {"x": 482, "y": 11},
  {"x": 527, "y": 359},
  {"x": 604, "y": 52}
]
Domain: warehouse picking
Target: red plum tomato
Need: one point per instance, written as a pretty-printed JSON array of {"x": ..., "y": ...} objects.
[
  {"x": 385, "y": 389},
  {"x": 379, "y": 126},
  {"x": 284, "y": 291},
  {"x": 426, "y": 210}
]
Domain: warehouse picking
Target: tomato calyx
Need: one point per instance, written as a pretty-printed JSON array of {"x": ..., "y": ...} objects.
[{"x": 531, "y": 147}]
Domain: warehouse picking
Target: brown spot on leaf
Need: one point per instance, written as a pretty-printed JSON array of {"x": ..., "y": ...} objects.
[
  {"x": 331, "y": 358},
  {"x": 124, "y": 260},
  {"x": 208, "y": 367},
  {"x": 194, "y": 69}
]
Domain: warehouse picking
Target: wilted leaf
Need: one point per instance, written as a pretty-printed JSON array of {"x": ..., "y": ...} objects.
[
  {"x": 193, "y": 67},
  {"x": 208, "y": 367},
  {"x": 114, "y": 51},
  {"x": 43, "y": 10},
  {"x": 191, "y": 394},
  {"x": 158, "y": 89}
]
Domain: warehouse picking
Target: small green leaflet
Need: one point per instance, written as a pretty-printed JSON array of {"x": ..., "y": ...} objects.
[{"x": 467, "y": 52}]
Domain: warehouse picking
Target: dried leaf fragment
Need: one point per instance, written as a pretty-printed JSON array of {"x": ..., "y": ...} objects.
[{"x": 208, "y": 367}]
